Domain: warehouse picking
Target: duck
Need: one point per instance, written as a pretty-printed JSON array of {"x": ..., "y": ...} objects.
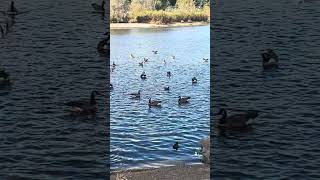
[
  {"x": 183, "y": 99},
  {"x": 99, "y": 8},
  {"x": 241, "y": 120},
  {"x": 131, "y": 56},
  {"x": 269, "y": 59},
  {"x": 155, "y": 52},
  {"x": 154, "y": 103},
  {"x": 143, "y": 75},
  {"x": 135, "y": 95},
  {"x": 169, "y": 74},
  {"x": 194, "y": 80},
  {"x": 4, "y": 77},
  {"x": 167, "y": 88},
  {"x": 205, "y": 59},
  {"x": 84, "y": 106},
  {"x": 175, "y": 146}
]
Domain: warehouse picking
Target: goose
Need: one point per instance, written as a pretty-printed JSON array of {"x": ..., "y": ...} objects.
[
  {"x": 135, "y": 95},
  {"x": 2, "y": 31},
  {"x": 84, "y": 106},
  {"x": 269, "y": 59},
  {"x": 4, "y": 77},
  {"x": 173, "y": 57},
  {"x": 12, "y": 9},
  {"x": 113, "y": 64},
  {"x": 167, "y": 88},
  {"x": 164, "y": 61},
  {"x": 111, "y": 86},
  {"x": 131, "y": 56},
  {"x": 141, "y": 64},
  {"x": 169, "y": 74},
  {"x": 99, "y": 8},
  {"x": 237, "y": 120},
  {"x": 154, "y": 103},
  {"x": 205, "y": 59},
  {"x": 183, "y": 99},
  {"x": 194, "y": 80},
  {"x": 145, "y": 60},
  {"x": 175, "y": 146},
  {"x": 103, "y": 46},
  {"x": 143, "y": 75},
  {"x": 155, "y": 52}
]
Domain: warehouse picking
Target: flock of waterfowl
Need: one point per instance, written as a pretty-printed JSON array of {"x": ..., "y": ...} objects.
[
  {"x": 269, "y": 60},
  {"x": 143, "y": 76}
]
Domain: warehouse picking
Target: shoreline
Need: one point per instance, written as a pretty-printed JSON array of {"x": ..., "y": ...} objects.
[
  {"x": 115, "y": 26},
  {"x": 178, "y": 172}
]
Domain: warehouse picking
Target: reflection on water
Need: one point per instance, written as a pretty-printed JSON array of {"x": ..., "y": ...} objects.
[
  {"x": 51, "y": 56},
  {"x": 282, "y": 143},
  {"x": 144, "y": 136}
]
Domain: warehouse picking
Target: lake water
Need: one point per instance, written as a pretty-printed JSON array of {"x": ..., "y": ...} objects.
[
  {"x": 283, "y": 143},
  {"x": 143, "y": 136},
  {"x": 51, "y": 55}
]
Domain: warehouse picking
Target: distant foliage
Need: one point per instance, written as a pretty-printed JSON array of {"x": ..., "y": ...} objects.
[{"x": 159, "y": 11}]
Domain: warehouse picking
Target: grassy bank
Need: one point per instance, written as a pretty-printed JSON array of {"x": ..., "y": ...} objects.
[
  {"x": 159, "y": 11},
  {"x": 169, "y": 16}
]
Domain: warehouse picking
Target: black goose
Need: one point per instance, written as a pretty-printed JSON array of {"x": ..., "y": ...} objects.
[
  {"x": 241, "y": 120},
  {"x": 176, "y": 146},
  {"x": 85, "y": 106},
  {"x": 99, "y": 8},
  {"x": 169, "y": 74},
  {"x": 143, "y": 75},
  {"x": 183, "y": 99},
  {"x": 135, "y": 95},
  {"x": 4, "y": 78},
  {"x": 269, "y": 59},
  {"x": 194, "y": 80},
  {"x": 103, "y": 46},
  {"x": 167, "y": 88},
  {"x": 154, "y": 103}
]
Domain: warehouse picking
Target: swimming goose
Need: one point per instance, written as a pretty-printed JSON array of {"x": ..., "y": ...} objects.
[
  {"x": 103, "y": 46},
  {"x": 131, "y": 56},
  {"x": 173, "y": 57},
  {"x": 2, "y": 31},
  {"x": 237, "y": 120},
  {"x": 12, "y": 9},
  {"x": 269, "y": 59},
  {"x": 164, "y": 61},
  {"x": 169, "y": 74},
  {"x": 143, "y": 75},
  {"x": 113, "y": 64},
  {"x": 135, "y": 95},
  {"x": 4, "y": 77},
  {"x": 176, "y": 146},
  {"x": 194, "y": 80},
  {"x": 155, "y": 103},
  {"x": 145, "y": 60},
  {"x": 183, "y": 99},
  {"x": 205, "y": 59},
  {"x": 167, "y": 88},
  {"x": 99, "y": 8},
  {"x": 155, "y": 52},
  {"x": 141, "y": 64},
  {"x": 84, "y": 106}
]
